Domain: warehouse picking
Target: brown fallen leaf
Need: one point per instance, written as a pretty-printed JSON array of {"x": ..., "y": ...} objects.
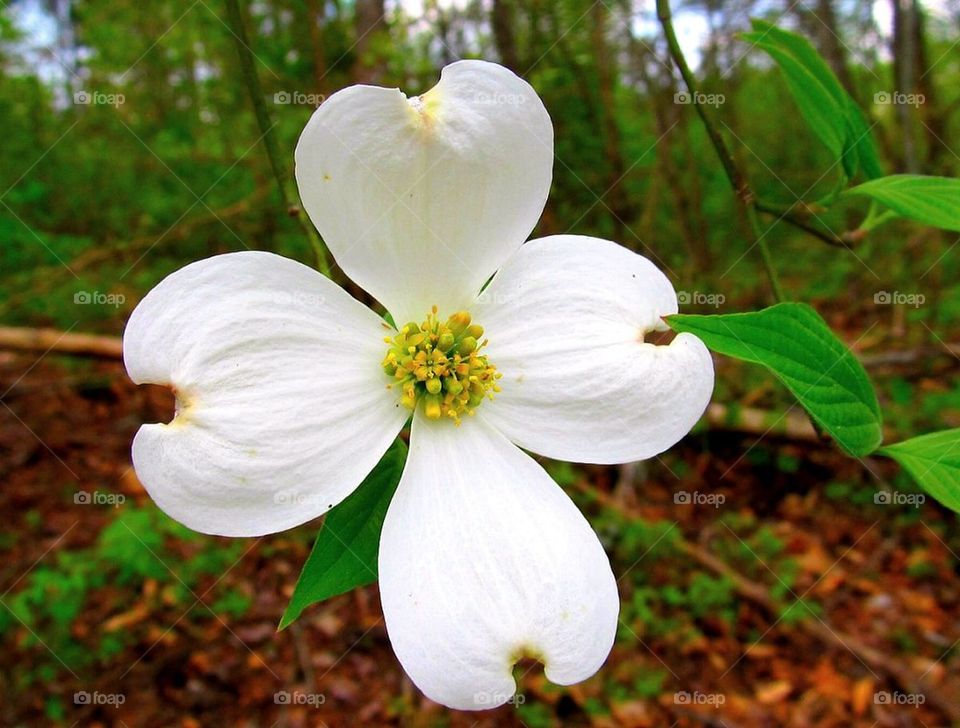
[
  {"x": 126, "y": 619},
  {"x": 761, "y": 651},
  {"x": 862, "y": 695},
  {"x": 774, "y": 692},
  {"x": 632, "y": 714}
]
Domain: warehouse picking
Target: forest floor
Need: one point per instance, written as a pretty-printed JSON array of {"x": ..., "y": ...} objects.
[{"x": 821, "y": 607}]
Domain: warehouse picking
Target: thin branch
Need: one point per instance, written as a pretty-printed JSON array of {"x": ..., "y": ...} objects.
[
  {"x": 61, "y": 342},
  {"x": 738, "y": 180},
  {"x": 751, "y": 210},
  {"x": 740, "y": 185},
  {"x": 787, "y": 214},
  {"x": 288, "y": 190}
]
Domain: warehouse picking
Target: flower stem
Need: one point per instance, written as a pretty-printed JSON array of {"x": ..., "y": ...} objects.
[
  {"x": 751, "y": 210},
  {"x": 741, "y": 187},
  {"x": 285, "y": 183}
]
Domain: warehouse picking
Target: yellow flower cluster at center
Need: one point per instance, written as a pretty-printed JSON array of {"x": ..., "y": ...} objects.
[{"x": 441, "y": 365}]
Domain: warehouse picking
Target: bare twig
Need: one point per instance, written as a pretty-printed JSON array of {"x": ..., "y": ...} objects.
[
  {"x": 738, "y": 180},
  {"x": 792, "y": 216},
  {"x": 44, "y": 340},
  {"x": 303, "y": 655},
  {"x": 901, "y": 357},
  {"x": 285, "y": 183},
  {"x": 753, "y": 421}
]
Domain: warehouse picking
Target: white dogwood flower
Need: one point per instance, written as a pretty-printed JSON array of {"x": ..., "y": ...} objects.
[{"x": 289, "y": 390}]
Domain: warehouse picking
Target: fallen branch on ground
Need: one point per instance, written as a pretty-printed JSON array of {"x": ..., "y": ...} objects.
[
  {"x": 61, "y": 342},
  {"x": 754, "y": 421},
  {"x": 900, "y": 357}
]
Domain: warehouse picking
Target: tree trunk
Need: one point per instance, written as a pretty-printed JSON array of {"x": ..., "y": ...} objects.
[
  {"x": 315, "y": 24},
  {"x": 935, "y": 117},
  {"x": 615, "y": 195},
  {"x": 503, "y": 19},
  {"x": 370, "y": 22},
  {"x": 660, "y": 98},
  {"x": 905, "y": 76}
]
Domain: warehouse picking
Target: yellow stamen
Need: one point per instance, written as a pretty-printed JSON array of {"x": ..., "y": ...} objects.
[{"x": 441, "y": 364}]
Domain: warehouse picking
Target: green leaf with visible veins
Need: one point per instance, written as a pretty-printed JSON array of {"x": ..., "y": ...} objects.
[
  {"x": 795, "y": 343},
  {"x": 931, "y": 200},
  {"x": 344, "y": 555},
  {"x": 934, "y": 462}
]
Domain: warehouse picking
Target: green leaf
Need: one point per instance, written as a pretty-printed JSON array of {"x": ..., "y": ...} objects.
[
  {"x": 864, "y": 145},
  {"x": 931, "y": 200},
  {"x": 934, "y": 462},
  {"x": 344, "y": 555},
  {"x": 795, "y": 343},
  {"x": 828, "y": 109},
  {"x": 820, "y": 110}
]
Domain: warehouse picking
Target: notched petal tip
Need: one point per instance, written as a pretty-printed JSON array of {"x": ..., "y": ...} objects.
[
  {"x": 618, "y": 385},
  {"x": 526, "y": 655},
  {"x": 166, "y": 405},
  {"x": 261, "y": 438},
  {"x": 183, "y": 407},
  {"x": 425, "y": 108},
  {"x": 658, "y": 336},
  {"x": 517, "y": 576},
  {"x": 393, "y": 183}
]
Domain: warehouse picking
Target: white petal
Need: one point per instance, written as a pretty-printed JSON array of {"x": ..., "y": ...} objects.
[
  {"x": 484, "y": 559},
  {"x": 566, "y": 318},
  {"x": 420, "y": 200},
  {"x": 282, "y": 405}
]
